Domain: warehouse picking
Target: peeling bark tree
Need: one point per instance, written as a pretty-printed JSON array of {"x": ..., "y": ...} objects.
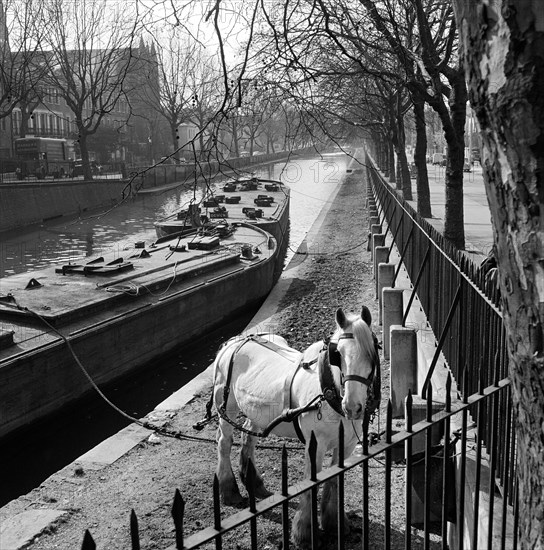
[{"x": 503, "y": 42}]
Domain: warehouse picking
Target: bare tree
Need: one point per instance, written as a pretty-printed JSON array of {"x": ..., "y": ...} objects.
[
  {"x": 436, "y": 76},
  {"x": 172, "y": 99},
  {"x": 503, "y": 57},
  {"x": 20, "y": 39},
  {"x": 204, "y": 84},
  {"x": 88, "y": 54}
]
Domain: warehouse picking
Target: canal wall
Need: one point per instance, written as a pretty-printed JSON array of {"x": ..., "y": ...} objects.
[
  {"x": 112, "y": 461},
  {"x": 26, "y": 203}
]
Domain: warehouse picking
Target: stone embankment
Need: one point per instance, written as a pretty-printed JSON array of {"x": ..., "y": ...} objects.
[
  {"x": 29, "y": 202},
  {"x": 139, "y": 470}
]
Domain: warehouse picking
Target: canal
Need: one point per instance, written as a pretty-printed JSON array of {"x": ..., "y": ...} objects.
[{"x": 42, "y": 450}]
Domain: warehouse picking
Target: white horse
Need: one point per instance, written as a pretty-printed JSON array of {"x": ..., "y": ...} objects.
[{"x": 261, "y": 376}]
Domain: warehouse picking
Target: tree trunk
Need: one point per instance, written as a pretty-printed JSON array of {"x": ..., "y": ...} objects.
[
  {"x": 453, "y": 124},
  {"x": 503, "y": 54},
  {"x": 174, "y": 136},
  {"x": 454, "y": 221},
  {"x": 382, "y": 152},
  {"x": 405, "y": 183},
  {"x": 420, "y": 160},
  {"x": 84, "y": 148},
  {"x": 25, "y": 117},
  {"x": 391, "y": 162}
]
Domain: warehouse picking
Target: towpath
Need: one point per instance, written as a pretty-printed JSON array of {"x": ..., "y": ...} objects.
[
  {"x": 478, "y": 229},
  {"x": 138, "y": 470}
]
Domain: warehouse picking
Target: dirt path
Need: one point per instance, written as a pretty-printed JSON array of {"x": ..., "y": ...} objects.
[{"x": 337, "y": 272}]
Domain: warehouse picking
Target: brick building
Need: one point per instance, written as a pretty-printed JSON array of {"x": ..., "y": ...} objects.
[{"x": 130, "y": 132}]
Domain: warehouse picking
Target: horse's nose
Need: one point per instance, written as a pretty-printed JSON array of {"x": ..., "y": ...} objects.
[{"x": 355, "y": 412}]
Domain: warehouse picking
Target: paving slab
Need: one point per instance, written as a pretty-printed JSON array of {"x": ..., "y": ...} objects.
[
  {"x": 114, "y": 447},
  {"x": 18, "y": 531}
]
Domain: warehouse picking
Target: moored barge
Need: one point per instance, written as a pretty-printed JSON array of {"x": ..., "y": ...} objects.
[{"x": 107, "y": 316}]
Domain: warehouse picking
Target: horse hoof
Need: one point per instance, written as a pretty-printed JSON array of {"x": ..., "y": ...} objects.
[
  {"x": 262, "y": 492},
  {"x": 232, "y": 499}
]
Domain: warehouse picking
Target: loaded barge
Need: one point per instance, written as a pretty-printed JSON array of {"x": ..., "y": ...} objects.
[{"x": 97, "y": 320}]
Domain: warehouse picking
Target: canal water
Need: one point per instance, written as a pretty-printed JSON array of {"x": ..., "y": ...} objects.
[
  {"x": 311, "y": 181},
  {"x": 42, "y": 450}
]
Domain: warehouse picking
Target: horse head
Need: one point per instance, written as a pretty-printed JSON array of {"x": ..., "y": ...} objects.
[{"x": 358, "y": 360}]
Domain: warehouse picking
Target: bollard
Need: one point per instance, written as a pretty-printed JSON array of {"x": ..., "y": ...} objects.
[
  {"x": 378, "y": 239},
  {"x": 393, "y": 311},
  {"x": 403, "y": 366},
  {"x": 386, "y": 273},
  {"x": 374, "y": 220},
  {"x": 375, "y": 229},
  {"x": 380, "y": 257}
]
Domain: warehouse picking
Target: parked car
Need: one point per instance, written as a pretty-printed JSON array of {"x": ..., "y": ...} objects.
[
  {"x": 466, "y": 166},
  {"x": 77, "y": 168}
]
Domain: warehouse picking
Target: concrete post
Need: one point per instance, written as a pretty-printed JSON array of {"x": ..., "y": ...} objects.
[
  {"x": 375, "y": 229},
  {"x": 380, "y": 257},
  {"x": 403, "y": 350},
  {"x": 386, "y": 272},
  {"x": 374, "y": 220},
  {"x": 378, "y": 239},
  {"x": 393, "y": 310}
]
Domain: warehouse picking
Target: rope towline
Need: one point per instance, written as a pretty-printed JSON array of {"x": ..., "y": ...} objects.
[{"x": 174, "y": 434}]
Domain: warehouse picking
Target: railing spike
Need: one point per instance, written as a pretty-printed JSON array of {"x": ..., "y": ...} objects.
[
  {"x": 408, "y": 411},
  {"x": 389, "y": 422},
  {"x": 178, "y": 512},
  {"x": 429, "y": 402},
  {"x": 88, "y": 541},
  {"x": 284, "y": 471},
  {"x": 216, "y": 504},
  {"x": 465, "y": 384},
  {"x": 312, "y": 452},
  {"x": 341, "y": 444},
  {"x": 134, "y": 531},
  {"x": 448, "y": 393}
]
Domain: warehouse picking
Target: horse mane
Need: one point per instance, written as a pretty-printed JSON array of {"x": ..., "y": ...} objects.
[{"x": 362, "y": 335}]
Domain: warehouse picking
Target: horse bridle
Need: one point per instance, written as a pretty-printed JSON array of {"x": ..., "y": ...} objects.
[{"x": 335, "y": 360}]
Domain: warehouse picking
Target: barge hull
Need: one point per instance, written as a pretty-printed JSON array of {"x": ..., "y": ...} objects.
[{"x": 41, "y": 381}]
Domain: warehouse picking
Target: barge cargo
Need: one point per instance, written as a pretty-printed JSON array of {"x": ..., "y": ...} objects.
[
  {"x": 261, "y": 202},
  {"x": 101, "y": 319}
]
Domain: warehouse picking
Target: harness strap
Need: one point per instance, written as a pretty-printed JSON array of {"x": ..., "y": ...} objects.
[
  {"x": 356, "y": 378},
  {"x": 288, "y": 415},
  {"x": 327, "y": 382},
  {"x": 226, "y": 391}
]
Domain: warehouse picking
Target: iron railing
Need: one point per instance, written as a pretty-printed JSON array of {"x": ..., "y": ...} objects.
[
  {"x": 461, "y": 306},
  {"x": 476, "y": 431},
  {"x": 428, "y": 477}
]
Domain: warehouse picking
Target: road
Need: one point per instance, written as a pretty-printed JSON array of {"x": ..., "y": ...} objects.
[{"x": 478, "y": 230}]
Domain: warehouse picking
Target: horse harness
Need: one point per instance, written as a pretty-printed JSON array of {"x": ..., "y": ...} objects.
[{"x": 328, "y": 357}]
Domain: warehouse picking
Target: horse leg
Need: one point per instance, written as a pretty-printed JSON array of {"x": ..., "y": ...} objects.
[
  {"x": 228, "y": 487},
  {"x": 329, "y": 503},
  {"x": 302, "y": 522},
  {"x": 247, "y": 453}
]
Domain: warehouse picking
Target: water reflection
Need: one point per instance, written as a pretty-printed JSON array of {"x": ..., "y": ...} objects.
[{"x": 311, "y": 181}]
